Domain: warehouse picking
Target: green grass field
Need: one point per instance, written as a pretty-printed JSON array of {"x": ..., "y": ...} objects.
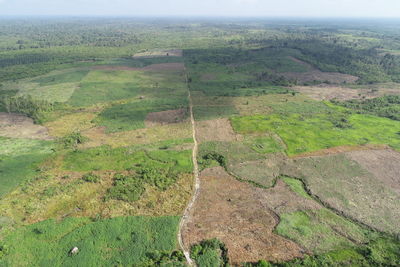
[
  {"x": 19, "y": 159},
  {"x": 123, "y": 241},
  {"x": 306, "y": 134}
]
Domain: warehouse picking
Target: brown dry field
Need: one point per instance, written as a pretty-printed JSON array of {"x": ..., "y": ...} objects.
[
  {"x": 20, "y": 126},
  {"x": 383, "y": 164},
  {"x": 317, "y": 75},
  {"x": 237, "y": 214},
  {"x": 160, "y": 53},
  {"x": 97, "y": 135},
  {"x": 215, "y": 130},
  {"x": 165, "y": 117},
  {"x": 328, "y": 92}
]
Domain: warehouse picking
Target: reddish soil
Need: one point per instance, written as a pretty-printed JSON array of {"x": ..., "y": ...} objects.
[
  {"x": 19, "y": 126},
  {"x": 317, "y": 75},
  {"x": 215, "y": 130},
  {"x": 237, "y": 214},
  {"x": 383, "y": 164},
  {"x": 165, "y": 117}
]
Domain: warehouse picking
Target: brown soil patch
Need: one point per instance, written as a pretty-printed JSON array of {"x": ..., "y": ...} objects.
[
  {"x": 317, "y": 75},
  {"x": 215, "y": 130},
  {"x": 383, "y": 164},
  {"x": 340, "y": 149},
  {"x": 165, "y": 117},
  {"x": 328, "y": 92},
  {"x": 233, "y": 212},
  {"x": 20, "y": 126},
  {"x": 281, "y": 199}
]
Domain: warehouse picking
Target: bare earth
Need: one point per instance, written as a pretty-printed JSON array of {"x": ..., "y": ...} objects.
[
  {"x": 19, "y": 126},
  {"x": 159, "y": 53},
  {"x": 235, "y": 213},
  {"x": 383, "y": 164},
  {"x": 317, "y": 75},
  {"x": 328, "y": 92},
  {"x": 165, "y": 117},
  {"x": 215, "y": 130}
]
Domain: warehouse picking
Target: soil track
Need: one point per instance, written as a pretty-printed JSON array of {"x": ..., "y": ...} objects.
[
  {"x": 185, "y": 246},
  {"x": 20, "y": 126}
]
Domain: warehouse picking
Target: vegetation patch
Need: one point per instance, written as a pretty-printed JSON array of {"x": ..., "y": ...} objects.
[
  {"x": 304, "y": 134},
  {"x": 19, "y": 160},
  {"x": 117, "y": 241},
  {"x": 211, "y": 253}
]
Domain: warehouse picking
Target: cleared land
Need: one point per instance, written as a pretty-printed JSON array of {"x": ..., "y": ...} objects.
[
  {"x": 231, "y": 211},
  {"x": 215, "y": 130},
  {"x": 20, "y": 126}
]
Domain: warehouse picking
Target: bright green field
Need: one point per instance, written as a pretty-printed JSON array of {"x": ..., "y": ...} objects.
[
  {"x": 19, "y": 159},
  {"x": 106, "y": 158},
  {"x": 305, "y": 134},
  {"x": 122, "y": 241}
]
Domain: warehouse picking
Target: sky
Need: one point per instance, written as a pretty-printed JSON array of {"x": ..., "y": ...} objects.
[{"x": 227, "y": 8}]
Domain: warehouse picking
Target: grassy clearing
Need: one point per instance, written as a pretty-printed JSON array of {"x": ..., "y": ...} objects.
[
  {"x": 106, "y": 158},
  {"x": 252, "y": 160},
  {"x": 118, "y": 241},
  {"x": 344, "y": 185},
  {"x": 19, "y": 159},
  {"x": 212, "y": 112},
  {"x": 296, "y": 186},
  {"x": 131, "y": 116},
  {"x": 304, "y": 134},
  {"x": 307, "y": 227}
]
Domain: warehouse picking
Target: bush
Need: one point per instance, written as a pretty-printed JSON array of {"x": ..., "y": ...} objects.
[
  {"x": 91, "y": 178},
  {"x": 210, "y": 253},
  {"x": 126, "y": 188},
  {"x": 73, "y": 139}
]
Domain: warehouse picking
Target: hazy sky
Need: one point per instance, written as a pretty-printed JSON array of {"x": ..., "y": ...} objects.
[{"x": 302, "y": 8}]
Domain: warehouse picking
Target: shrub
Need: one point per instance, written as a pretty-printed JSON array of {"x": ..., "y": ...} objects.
[
  {"x": 91, "y": 178},
  {"x": 126, "y": 188},
  {"x": 210, "y": 253},
  {"x": 73, "y": 139}
]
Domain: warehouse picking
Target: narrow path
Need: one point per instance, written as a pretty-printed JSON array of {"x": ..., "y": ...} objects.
[{"x": 185, "y": 217}]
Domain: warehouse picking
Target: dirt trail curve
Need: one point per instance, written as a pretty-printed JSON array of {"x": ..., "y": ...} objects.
[{"x": 185, "y": 217}]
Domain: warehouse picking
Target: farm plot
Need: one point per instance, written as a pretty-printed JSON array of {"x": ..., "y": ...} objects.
[
  {"x": 311, "y": 133},
  {"x": 346, "y": 186}
]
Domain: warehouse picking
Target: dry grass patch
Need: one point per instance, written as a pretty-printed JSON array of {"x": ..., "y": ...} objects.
[
  {"x": 20, "y": 126},
  {"x": 216, "y": 130},
  {"x": 383, "y": 164},
  {"x": 71, "y": 123},
  {"x": 340, "y": 149},
  {"x": 97, "y": 136},
  {"x": 346, "y": 186},
  {"x": 233, "y": 212}
]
